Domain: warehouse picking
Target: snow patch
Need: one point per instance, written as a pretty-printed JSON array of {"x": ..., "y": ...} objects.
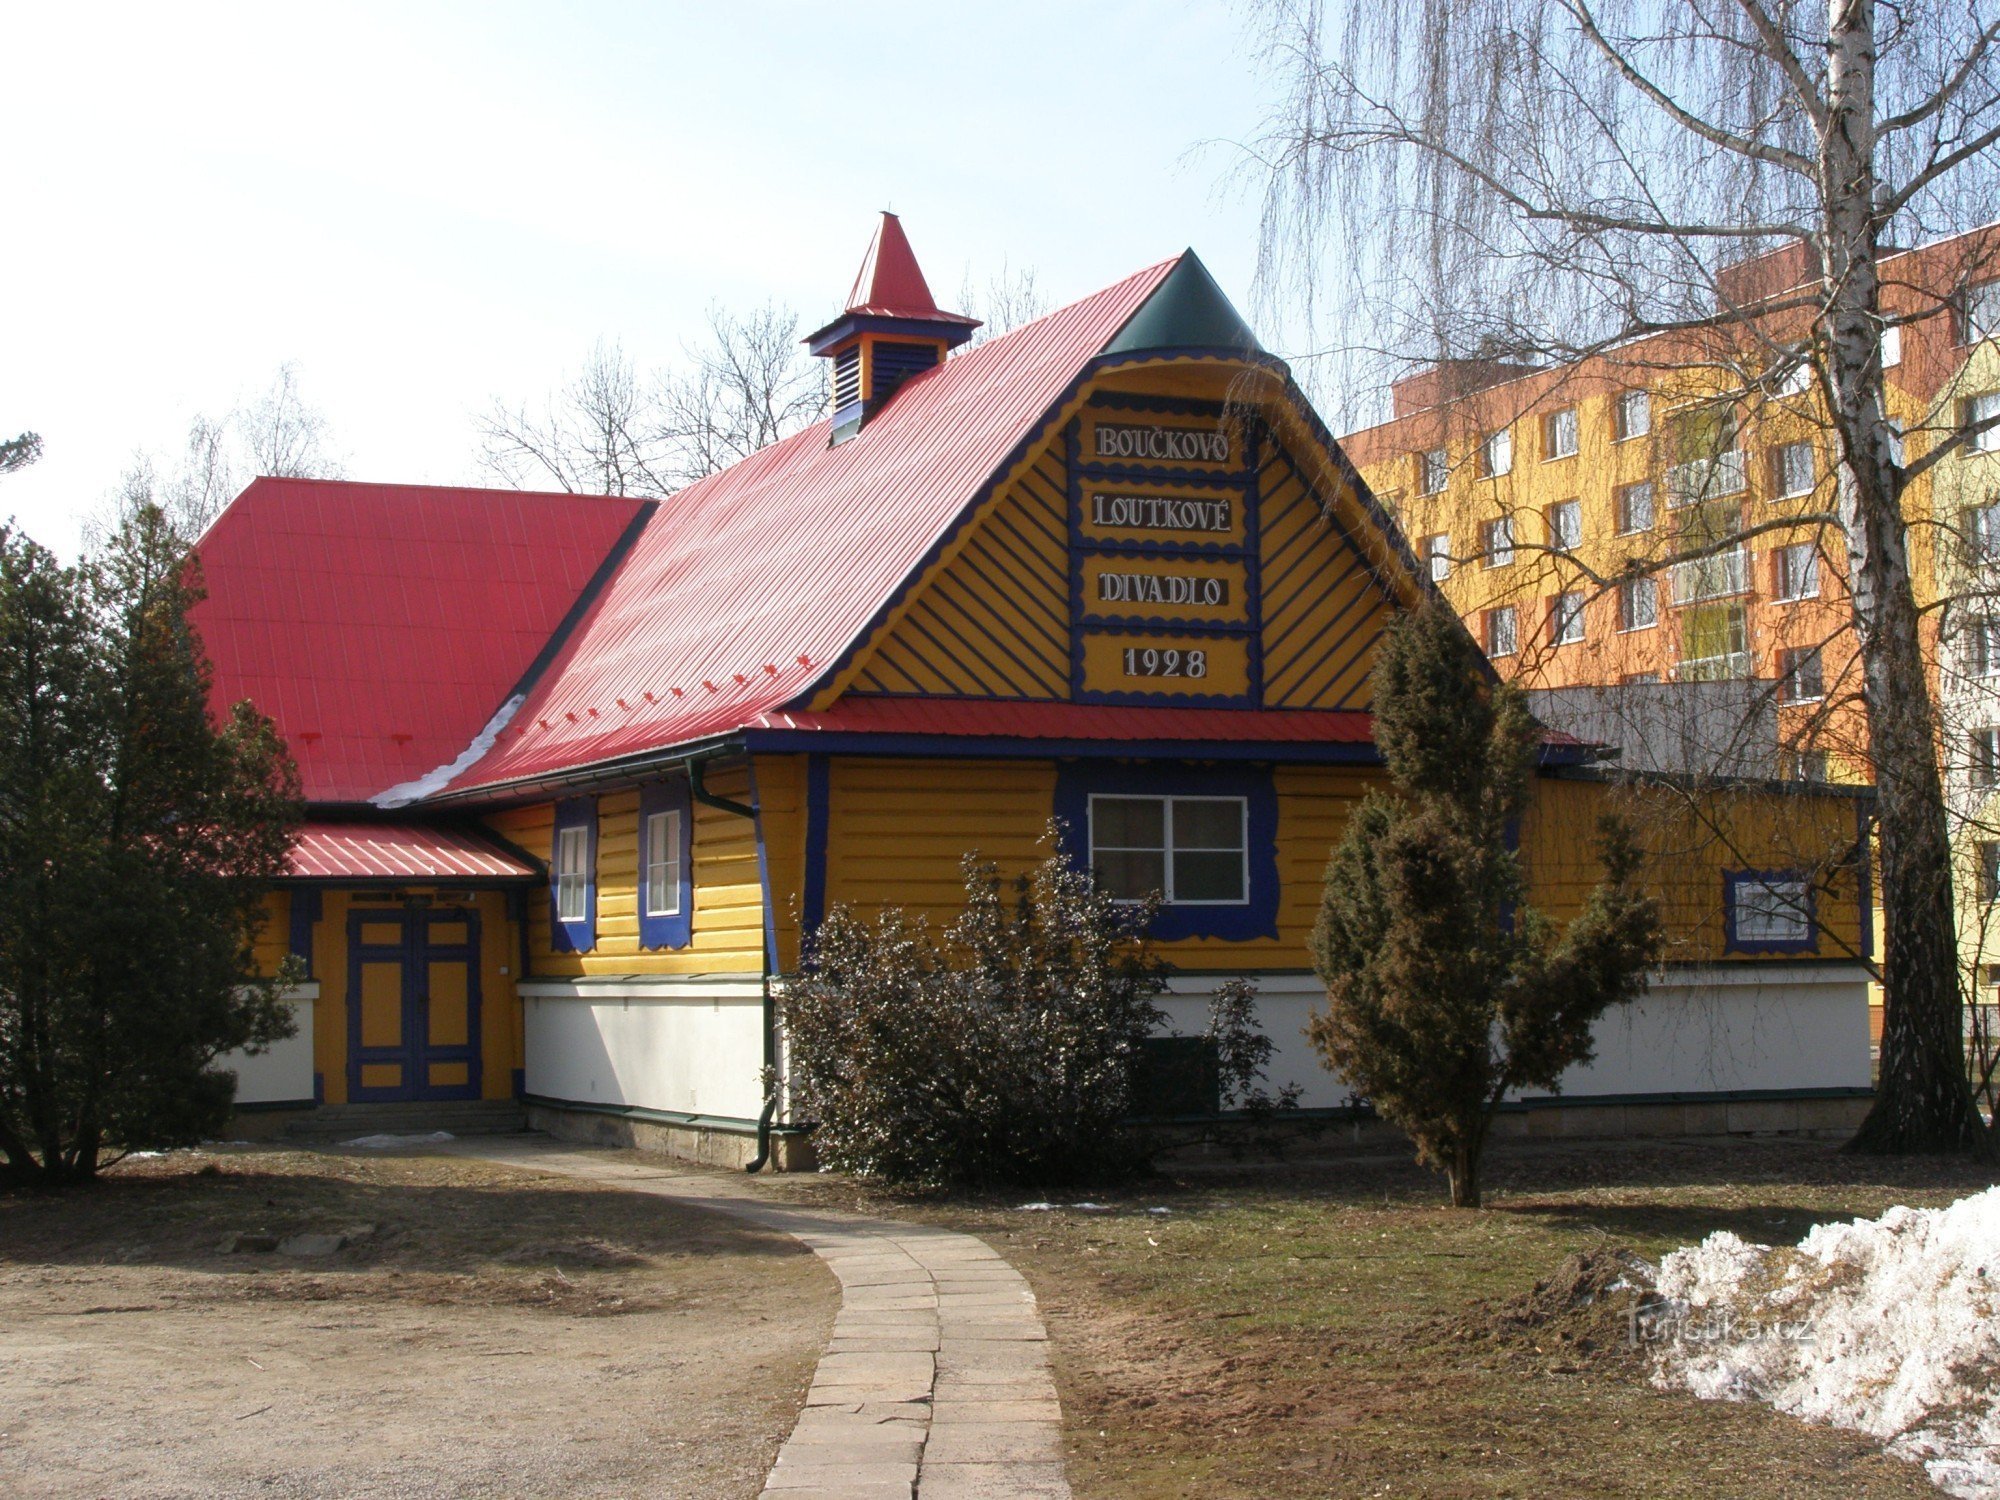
[
  {"x": 432, "y": 782},
  {"x": 1888, "y": 1326},
  {"x": 390, "y": 1142}
]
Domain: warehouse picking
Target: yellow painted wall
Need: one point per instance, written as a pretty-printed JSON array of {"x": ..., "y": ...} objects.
[
  {"x": 1689, "y": 840},
  {"x": 728, "y": 888},
  {"x": 897, "y": 829}
]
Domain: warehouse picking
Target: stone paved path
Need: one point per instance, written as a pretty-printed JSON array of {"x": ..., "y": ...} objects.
[{"x": 936, "y": 1382}]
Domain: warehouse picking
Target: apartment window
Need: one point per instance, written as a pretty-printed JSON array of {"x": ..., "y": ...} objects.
[
  {"x": 1632, "y": 415},
  {"x": 1797, "y": 572},
  {"x": 1503, "y": 631},
  {"x": 1892, "y": 346},
  {"x": 1559, "y": 433},
  {"x": 663, "y": 863},
  {"x": 1437, "y": 553},
  {"x": 1795, "y": 375},
  {"x": 1982, "y": 534},
  {"x": 1985, "y": 757},
  {"x": 1768, "y": 910},
  {"x": 1432, "y": 472},
  {"x": 1638, "y": 604},
  {"x": 1799, "y": 675},
  {"x": 1635, "y": 508},
  {"x": 1802, "y": 765},
  {"x": 1496, "y": 541},
  {"x": 1979, "y": 316},
  {"x": 1566, "y": 526},
  {"x": 1496, "y": 454},
  {"x": 1895, "y": 441},
  {"x": 1715, "y": 643},
  {"x": 1792, "y": 470},
  {"x": 1980, "y": 410},
  {"x": 1987, "y": 852},
  {"x": 1982, "y": 648},
  {"x": 1565, "y": 619},
  {"x": 1193, "y": 851}
]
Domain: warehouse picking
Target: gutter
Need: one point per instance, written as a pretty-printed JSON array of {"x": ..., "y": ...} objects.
[{"x": 698, "y": 788}]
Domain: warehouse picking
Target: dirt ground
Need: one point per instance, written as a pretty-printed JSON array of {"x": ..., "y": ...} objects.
[
  {"x": 486, "y": 1332},
  {"x": 1329, "y": 1328}
]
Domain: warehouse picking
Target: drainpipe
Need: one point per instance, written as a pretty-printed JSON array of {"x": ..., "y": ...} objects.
[{"x": 698, "y": 788}]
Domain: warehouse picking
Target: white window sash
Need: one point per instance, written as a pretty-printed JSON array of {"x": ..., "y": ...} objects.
[
  {"x": 572, "y": 853},
  {"x": 1170, "y": 847},
  {"x": 663, "y": 863}
]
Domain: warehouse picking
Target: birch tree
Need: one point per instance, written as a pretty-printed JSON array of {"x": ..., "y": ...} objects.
[{"x": 1536, "y": 182}]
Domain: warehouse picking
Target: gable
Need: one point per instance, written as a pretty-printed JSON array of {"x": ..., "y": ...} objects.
[{"x": 1157, "y": 548}]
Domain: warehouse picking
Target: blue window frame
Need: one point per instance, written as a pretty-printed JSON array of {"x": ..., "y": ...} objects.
[
  {"x": 573, "y": 877},
  {"x": 666, "y": 866},
  {"x": 1769, "y": 911},
  {"x": 1210, "y": 832}
]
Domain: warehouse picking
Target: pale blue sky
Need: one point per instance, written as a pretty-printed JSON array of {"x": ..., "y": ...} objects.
[{"x": 427, "y": 205}]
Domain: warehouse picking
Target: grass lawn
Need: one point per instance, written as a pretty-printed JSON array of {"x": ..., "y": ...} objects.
[
  {"x": 1330, "y": 1329},
  {"x": 486, "y": 1332}
]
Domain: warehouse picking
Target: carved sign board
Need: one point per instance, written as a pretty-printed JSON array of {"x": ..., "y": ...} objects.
[
  {"x": 1204, "y": 590},
  {"x": 1150, "y": 444},
  {"x": 1121, "y": 663},
  {"x": 1114, "y": 513}
]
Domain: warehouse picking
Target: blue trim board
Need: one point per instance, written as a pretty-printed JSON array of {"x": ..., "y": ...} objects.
[
  {"x": 819, "y": 808},
  {"x": 1000, "y": 747},
  {"x": 1864, "y": 877},
  {"x": 1734, "y": 880},
  {"x": 304, "y": 909},
  {"x": 579, "y": 936},
  {"x": 677, "y": 929},
  {"x": 1077, "y": 782},
  {"x": 763, "y": 877}
]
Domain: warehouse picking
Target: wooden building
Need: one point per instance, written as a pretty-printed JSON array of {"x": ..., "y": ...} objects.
[{"x": 586, "y": 771}]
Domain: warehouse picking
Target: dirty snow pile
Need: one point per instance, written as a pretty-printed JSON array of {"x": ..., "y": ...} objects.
[
  {"x": 1890, "y": 1326},
  {"x": 391, "y": 1142}
]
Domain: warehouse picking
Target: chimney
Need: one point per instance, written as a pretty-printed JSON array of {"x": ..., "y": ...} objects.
[{"x": 891, "y": 330}]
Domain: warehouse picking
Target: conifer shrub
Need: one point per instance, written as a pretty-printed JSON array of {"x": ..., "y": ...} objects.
[{"x": 1002, "y": 1050}]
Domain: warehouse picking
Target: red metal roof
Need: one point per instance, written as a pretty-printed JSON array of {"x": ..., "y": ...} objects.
[
  {"x": 890, "y": 283},
  {"x": 398, "y": 851},
  {"x": 381, "y": 626},
  {"x": 1077, "y": 721},
  {"x": 745, "y": 586}
]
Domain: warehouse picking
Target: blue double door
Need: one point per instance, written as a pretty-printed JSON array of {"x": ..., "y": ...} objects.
[{"x": 412, "y": 1003}]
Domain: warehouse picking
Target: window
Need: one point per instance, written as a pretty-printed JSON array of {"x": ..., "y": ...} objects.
[
  {"x": 1194, "y": 851},
  {"x": 1638, "y": 604},
  {"x": 1895, "y": 441},
  {"x": 1768, "y": 910},
  {"x": 1792, "y": 470},
  {"x": 1503, "y": 631},
  {"x": 1985, "y": 757},
  {"x": 1565, "y": 619},
  {"x": 1980, "y": 410},
  {"x": 1797, "y": 568},
  {"x": 1635, "y": 509},
  {"x": 1496, "y": 454},
  {"x": 1802, "y": 765},
  {"x": 1982, "y": 648},
  {"x": 1799, "y": 675},
  {"x": 1715, "y": 643},
  {"x": 1632, "y": 416},
  {"x": 1566, "y": 526},
  {"x": 1988, "y": 854},
  {"x": 1795, "y": 372},
  {"x": 573, "y": 877},
  {"x": 663, "y": 863},
  {"x": 1982, "y": 534},
  {"x": 1496, "y": 541},
  {"x": 1892, "y": 346},
  {"x": 1980, "y": 313},
  {"x": 1559, "y": 433},
  {"x": 1432, "y": 472},
  {"x": 1437, "y": 552}
]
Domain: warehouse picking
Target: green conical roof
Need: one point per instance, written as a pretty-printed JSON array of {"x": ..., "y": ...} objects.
[{"x": 1186, "y": 311}]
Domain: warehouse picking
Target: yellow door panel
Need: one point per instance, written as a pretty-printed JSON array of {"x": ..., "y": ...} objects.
[
  {"x": 449, "y": 935},
  {"x": 450, "y": 1075},
  {"x": 450, "y": 1014},
  {"x": 382, "y": 934},
  {"x": 381, "y": 1005},
  {"x": 381, "y": 1076}
]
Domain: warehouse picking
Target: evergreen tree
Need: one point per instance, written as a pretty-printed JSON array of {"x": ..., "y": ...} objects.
[
  {"x": 137, "y": 841},
  {"x": 1445, "y": 989}
]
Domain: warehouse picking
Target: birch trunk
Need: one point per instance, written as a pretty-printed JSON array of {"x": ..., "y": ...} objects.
[{"x": 1924, "y": 1100}]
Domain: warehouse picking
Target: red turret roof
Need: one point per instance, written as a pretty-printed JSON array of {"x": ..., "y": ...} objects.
[{"x": 890, "y": 283}]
